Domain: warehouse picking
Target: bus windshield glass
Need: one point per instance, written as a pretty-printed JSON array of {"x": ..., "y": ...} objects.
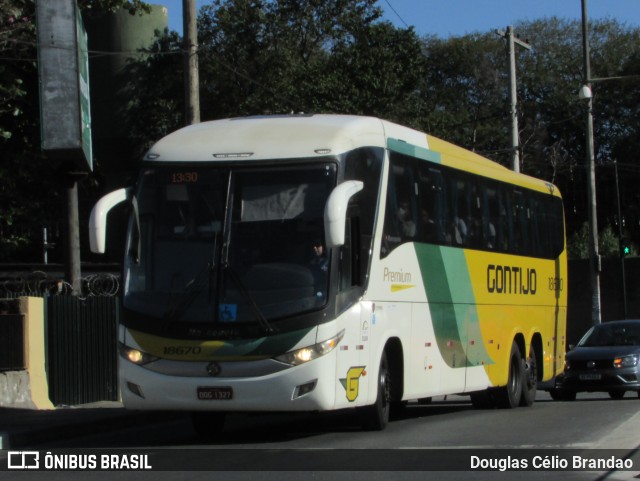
[{"x": 226, "y": 245}]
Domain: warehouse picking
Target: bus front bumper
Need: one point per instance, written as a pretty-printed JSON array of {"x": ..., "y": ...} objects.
[{"x": 307, "y": 387}]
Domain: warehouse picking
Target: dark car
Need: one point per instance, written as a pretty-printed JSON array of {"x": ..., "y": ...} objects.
[{"x": 606, "y": 359}]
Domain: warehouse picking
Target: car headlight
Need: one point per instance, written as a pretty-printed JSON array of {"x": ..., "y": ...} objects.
[
  {"x": 625, "y": 361},
  {"x": 135, "y": 356},
  {"x": 309, "y": 353}
]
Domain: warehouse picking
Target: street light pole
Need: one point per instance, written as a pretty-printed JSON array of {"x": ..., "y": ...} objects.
[{"x": 594, "y": 256}]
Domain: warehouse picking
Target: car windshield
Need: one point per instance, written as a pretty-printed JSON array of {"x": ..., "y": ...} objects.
[
  {"x": 225, "y": 245},
  {"x": 612, "y": 334}
]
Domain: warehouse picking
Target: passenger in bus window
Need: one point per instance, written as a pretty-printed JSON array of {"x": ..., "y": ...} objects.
[
  {"x": 319, "y": 257},
  {"x": 406, "y": 223},
  {"x": 319, "y": 265},
  {"x": 491, "y": 236},
  {"x": 428, "y": 227},
  {"x": 459, "y": 231}
]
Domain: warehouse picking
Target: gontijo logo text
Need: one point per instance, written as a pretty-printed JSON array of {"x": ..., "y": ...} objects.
[{"x": 511, "y": 280}]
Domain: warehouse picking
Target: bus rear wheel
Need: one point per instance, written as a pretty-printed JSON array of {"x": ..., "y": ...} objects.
[
  {"x": 376, "y": 417},
  {"x": 508, "y": 397},
  {"x": 529, "y": 379}
]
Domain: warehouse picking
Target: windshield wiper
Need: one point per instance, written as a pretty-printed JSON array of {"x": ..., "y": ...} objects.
[
  {"x": 192, "y": 290},
  {"x": 269, "y": 329}
]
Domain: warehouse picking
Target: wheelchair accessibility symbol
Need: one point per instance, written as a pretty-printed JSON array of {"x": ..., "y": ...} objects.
[{"x": 228, "y": 312}]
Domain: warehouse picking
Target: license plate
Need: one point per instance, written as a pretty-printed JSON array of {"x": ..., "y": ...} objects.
[
  {"x": 207, "y": 393},
  {"x": 590, "y": 377}
]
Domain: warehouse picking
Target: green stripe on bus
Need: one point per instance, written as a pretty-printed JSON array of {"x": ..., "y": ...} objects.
[
  {"x": 411, "y": 150},
  {"x": 265, "y": 346},
  {"x": 464, "y": 302},
  {"x": 452, "y": 305}
]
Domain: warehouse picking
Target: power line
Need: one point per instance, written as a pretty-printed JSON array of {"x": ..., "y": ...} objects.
[{"x": 397, "y": 14}]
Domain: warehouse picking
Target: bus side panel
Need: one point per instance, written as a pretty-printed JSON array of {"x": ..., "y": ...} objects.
[
  {"x": 431, "y": 308},
  {"x": 517, "y": 296},
  {"x": 352, "y": 367},
  {"x": 392, "y": 320},
  {"x": 424, "y": 369},
  {"x": 456, "y": 323}
]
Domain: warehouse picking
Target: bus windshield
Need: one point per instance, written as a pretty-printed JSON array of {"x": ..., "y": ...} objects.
[{"x": 225, "y": 245}]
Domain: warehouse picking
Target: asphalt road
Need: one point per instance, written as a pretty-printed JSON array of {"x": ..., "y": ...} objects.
[{"x": 332, "y": 446}]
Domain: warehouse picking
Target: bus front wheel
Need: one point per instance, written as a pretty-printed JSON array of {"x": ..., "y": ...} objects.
[
  {"x": 508, "y": 397},
  {"x": 376, "y": 417}
]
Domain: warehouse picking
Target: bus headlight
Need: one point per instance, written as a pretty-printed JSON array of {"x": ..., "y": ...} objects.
[
  {"x": 309, "y": 353},
  {"x": 135, "y": 356}
]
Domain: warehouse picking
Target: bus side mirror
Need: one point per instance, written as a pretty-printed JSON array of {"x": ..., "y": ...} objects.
[
  {"x": 98, "y": 218},
  {"x": 335, "y": 212}
]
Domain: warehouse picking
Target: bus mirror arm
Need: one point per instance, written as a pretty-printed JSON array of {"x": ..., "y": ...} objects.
[
  {"x": 98, "y": 218},
  {"x": 335, "y": 212}
]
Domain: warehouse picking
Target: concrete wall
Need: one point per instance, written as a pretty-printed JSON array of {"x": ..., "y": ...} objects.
[{"x": 29, "y": 388}]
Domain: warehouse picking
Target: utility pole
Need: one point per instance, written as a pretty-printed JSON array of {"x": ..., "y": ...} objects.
[
  {"x": 620, "y": 246},
  {"x": 512, "y": 40},
  {"x": 191, "y": 80},
  {"x": 73, "y": 269},
  {"x": 594, "y": 256}
]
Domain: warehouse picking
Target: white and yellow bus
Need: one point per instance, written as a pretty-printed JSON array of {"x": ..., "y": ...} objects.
[{"x": 322, "y": 262}]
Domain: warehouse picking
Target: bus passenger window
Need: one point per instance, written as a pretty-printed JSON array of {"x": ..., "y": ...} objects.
[
  {"x": 459, "y": 219},
  {"x": 491, "y": 218},
  {"x": 434, "y": 206},
  {"x": 407, "y": 226},
  {"x": 401, "y": 217},
  {"x": 349, "y": 256}
]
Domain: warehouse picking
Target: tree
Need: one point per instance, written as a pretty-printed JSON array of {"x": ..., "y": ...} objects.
[
  {"x": 29, "y": 182},
  {"x": 153, "y": 108},
  {"x": 554, "y": 126},
  {"x": 465, "y": 89},
  {"x": 609, "y": 243},
  {"x": 313, "y": 56},
  {"x": 338, "y": 56}
]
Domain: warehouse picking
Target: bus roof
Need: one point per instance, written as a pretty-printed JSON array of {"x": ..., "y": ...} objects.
[
  {"x": 314, "y": 135},
  {"x": 269, "y": 137},
  {"x": 457, "y": 157}
]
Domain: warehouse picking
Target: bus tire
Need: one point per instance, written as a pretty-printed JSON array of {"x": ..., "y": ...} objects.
[
  {"x": 376, "y": 416},
  {"x": 508, "y": 397},
  {"x": 208, "y": 424},
  {"x": 529, "y": 379}
]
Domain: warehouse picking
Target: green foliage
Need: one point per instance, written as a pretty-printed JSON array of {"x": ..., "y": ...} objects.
[
  {"x": 153, "y": 108},
  {"x": 30, "y": 185},
  {"x": 465, "y": 86},
  {"x": 608, "y": 243},
  {"x": 338, "y": 56},
  {"x": 306, "y": 56}
]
